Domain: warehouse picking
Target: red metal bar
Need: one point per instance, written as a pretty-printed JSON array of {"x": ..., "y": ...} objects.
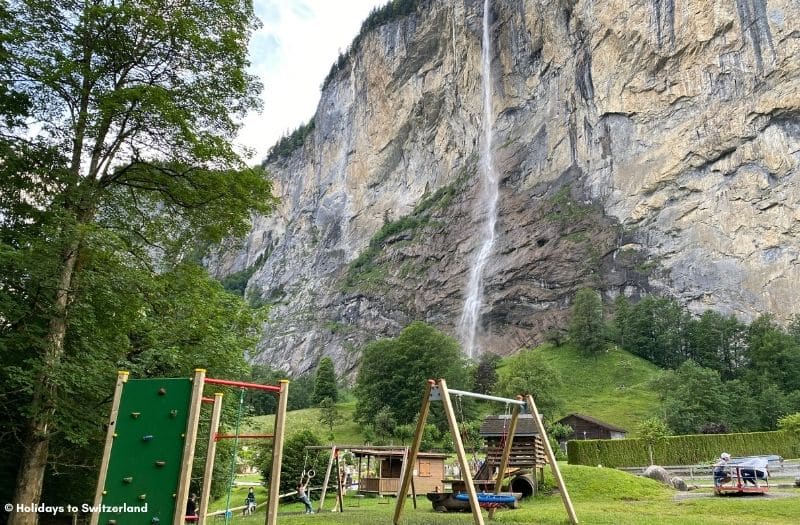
[
  {"x": 240, "y": 384},
  {"x": 208, "y": 400},
  {"x": 217, "y": 437}
]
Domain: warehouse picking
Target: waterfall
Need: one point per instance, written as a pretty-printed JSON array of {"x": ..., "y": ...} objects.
[{"x": 487, "y": 204}]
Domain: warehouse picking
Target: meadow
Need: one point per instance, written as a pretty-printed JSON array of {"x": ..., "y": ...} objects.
[{"x": 600, "y": 496}]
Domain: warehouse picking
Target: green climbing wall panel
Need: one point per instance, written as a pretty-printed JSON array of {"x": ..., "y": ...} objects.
[{"x": 144, "y": 466}]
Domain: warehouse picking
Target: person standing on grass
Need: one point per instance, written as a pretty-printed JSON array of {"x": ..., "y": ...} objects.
[
  {"x": 303, "y": 496},
  {"x": 250, "y": 502}
]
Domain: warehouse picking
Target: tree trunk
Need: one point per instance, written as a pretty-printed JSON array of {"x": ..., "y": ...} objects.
[
  {"x": 28, "y": 490},
  {"x": 30, "y": 478}
]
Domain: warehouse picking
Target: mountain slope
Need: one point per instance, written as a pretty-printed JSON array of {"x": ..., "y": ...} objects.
[{"x": 641, "y": 146}]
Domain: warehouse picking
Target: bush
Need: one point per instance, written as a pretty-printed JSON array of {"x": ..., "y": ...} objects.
[{"x": 679, "y": 450}]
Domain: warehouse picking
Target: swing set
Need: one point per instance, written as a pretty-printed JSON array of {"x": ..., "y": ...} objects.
[{"x": 438, "y": 391}]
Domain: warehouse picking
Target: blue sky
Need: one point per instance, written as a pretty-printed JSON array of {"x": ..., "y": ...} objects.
[{"x": 292, "y": 53}]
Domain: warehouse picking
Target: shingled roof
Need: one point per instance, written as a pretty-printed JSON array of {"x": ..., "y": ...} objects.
[
  {"x": 497, "y": 426},
  {"x": 596, "y": 421}
]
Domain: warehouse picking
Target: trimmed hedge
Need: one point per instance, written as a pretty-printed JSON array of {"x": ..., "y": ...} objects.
[{"x": 681, "y": 450}]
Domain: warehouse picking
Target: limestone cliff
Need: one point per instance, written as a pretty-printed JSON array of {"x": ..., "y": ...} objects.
[{"x": 642, "y": 145}]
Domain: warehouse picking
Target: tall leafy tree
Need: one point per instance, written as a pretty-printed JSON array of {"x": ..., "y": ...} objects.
[
  {"x": 693, "y": 398},
  {"x": 127, "y": 159},
  {"x": 325, "y": 381},
  {"x": 586, "y": 326},
  {"x": 529, "y": 373},
  {"x": 486, "y": 373},
  {"x": 394, "y": 371}
]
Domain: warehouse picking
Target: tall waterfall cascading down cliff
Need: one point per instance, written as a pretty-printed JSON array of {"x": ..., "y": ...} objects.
[
  {"x": 637, "y": 149},
  {"x": 487, "y": 204}
]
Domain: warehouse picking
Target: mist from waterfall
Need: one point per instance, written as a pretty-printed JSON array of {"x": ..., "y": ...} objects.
[{"x": 487, "y": 204}]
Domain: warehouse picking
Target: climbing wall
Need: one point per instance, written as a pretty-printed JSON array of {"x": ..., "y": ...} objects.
[{"x": 144, "y": 465}]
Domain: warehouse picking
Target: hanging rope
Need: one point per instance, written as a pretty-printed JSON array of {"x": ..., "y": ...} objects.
[
  {"x": 308, "y": 473},
  {"x": 228, "y": 513}
]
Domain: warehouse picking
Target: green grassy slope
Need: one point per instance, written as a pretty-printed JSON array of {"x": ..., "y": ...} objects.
[
  {"x": 612, "y": 387},
  {"x": 345, "y": 431}
]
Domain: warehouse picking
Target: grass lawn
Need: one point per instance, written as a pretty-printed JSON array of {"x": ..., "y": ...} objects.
[{"x": 600, "y": 496}]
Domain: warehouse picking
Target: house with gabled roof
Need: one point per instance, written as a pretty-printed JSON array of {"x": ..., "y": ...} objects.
[{"x": 588, "y": 427}]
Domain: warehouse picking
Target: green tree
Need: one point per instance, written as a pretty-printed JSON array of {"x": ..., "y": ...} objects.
[
  {"x": 394, "y": 371},
  {"x": 297, "y": 458},
  {"x": 130, "y": 162},
  {"x": 385, "y": 424},
  {"x": 328, "y": 414},
  {"x": 586, "y": 326},
  {"x": 652, "y": 431},
  {"x": 528, "y": 373},
  {"x": 486, "y": 373},
  {"x": 693, "y": 397},
  {"x": 325, "y": 381},
  {"x": 790, "y": 423}
]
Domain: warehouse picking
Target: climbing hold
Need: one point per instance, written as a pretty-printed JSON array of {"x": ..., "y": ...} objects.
[
  {"x": 173, "y": 413},
  {"x": 115, "y": 434},
  {"x": 129, "y": 479},
  {"x": 105, "y": 492},
  {"x": 147, "y": 437},
  {"x": 155, "y": 520},
  {"x": 142, "y": 497},
  {"x": 135, "y": 415},
  {"x": 162, "y": 391},
  {"x": 112, "y": 522},
  {"x": 160, "y": 463}
]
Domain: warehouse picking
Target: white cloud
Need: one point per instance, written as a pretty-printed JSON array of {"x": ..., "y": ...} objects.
[{"x": 292, "y": 54}]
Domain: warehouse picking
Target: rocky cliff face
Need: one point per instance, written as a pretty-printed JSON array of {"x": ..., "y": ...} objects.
[{"x": 642, "y": 145}]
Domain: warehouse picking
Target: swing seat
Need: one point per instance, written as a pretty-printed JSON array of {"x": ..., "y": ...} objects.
[{"x": 490, "y": 501}]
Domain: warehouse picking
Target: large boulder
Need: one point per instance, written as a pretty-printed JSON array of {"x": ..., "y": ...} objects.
[
  {"x": 657, "y": 473},
  {"x": 679, "y": 484}
]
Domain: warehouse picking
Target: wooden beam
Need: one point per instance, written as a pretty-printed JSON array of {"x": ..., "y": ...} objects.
[
  {"x": 327, "y": 480},
  {"x": 189, "y": 442},
  {"x": 562, "y": 488},
  {"x": 512, "y": 428},
  {"x": 277, "y": 454},
  {"x": 208, "y": 473},
  {"x": 462, "y": 455},
  {"x": 122, "y": 378},
  {"x": 412, "y": 453}
]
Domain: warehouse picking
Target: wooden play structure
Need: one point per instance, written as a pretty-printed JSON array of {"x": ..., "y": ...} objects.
[
  {"x": 438, "y": 391},
  {"x": 150, "y": 446},
  {"x": 386, "y": 466}
]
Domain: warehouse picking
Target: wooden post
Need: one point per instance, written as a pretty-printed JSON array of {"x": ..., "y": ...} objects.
[
  {"x": 340, "y": 494},
  {"x": 462, "y": 455},
  {"x": 189, "y": 441},
  {"x": 122, "y": 378},
  {"x": 327, "y": 480},
  {"x": 205, "y": 492},
  {"x": 507, "y": 446},
  {"x": 277, "y": 454},
  {"x": 562, "y": 488},
  {"x": 412, "y": 453}
]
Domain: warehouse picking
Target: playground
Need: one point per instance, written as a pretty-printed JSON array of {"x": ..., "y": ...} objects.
[
  {"x": 157, "y": 419},
  {"x": 600, "y": 495}
]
